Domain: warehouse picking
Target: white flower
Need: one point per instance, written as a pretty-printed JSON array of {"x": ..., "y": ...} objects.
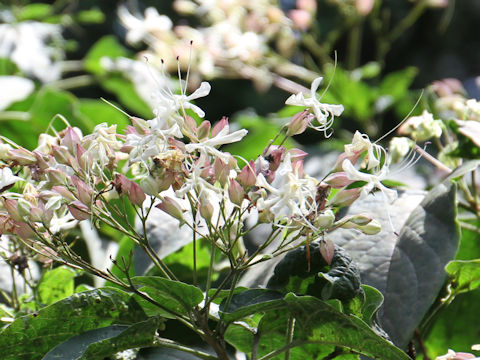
[
  {"x": 208, "y": 146},
  {"x": 7, "y": 178},
  {"x": 102, "y": 143},
  {"x": 361, "y": 143},
  {"x": 139, "y": 28},
  {"x": 373, "y": 180},
  {"x": 35, "y": 47},
  {"x": 399, "y": 147},
  {"x": 288, "y": 197},
  {"x": 168, "y": 104},
  {"x": 324, "y": 113},
  {"x": 14, "y": 88},
  {"x": 422, "y": 127},
  {"x": 148, "y": 146}
]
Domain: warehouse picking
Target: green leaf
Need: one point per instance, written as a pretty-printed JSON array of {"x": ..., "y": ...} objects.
[
  {"x": 56, "y": 284},
  {"x": 172, "y": 295},
  {"x": 465, "y": 273},
  {"x": 250, "y": 302},
  {"x": 94, "y": 112},
  {"x": 34, "y": 12},
  {"x": 319, "y": 322},
  {"x": 107, "y": 46},
  {"x": 91, "y": 16},
  {"x": 396, "y": 84},
  {"x": 373, "y": 302},
  {"x": 32, "y": 336},
  {"x": 103, "y": 342},
  {"x": 456, "y": 326},
  {"x": 126, "y": 94}
]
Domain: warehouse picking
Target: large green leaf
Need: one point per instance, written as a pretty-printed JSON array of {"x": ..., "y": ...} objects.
[
  {"x": 56, "y": 284},
  {"x": 100, "y": 343},
  {"x": 172, "y": 295},
  {"x": 409, "y": 268},
  {"x": 319, "y": 328},
  {"x": 32, "y": 336}
]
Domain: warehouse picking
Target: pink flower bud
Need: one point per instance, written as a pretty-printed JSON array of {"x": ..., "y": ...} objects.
[
  {"x": 23, "y": 230},
  {"x": 338, "y": 180},
  {"x": 236, "y": 192},
  {"x": 123, "y": 185},
  {"x": 56, "y": 176},
  {"x": 191, "y": 124},
  {"x": 70, "y": 140},
  {"x": 247, "y": 177},
  {"x": 302, "y": 19},
  {"x": 64, "y": 192},
  {"x": 346, "y": 197},
  {"x": 297, "y": 154},
  {"x": 42, "y": 160},
  {"x": 12, "y": 208},
  {"x": 221, "y": 171},
  {"x": 79, "y": 210},
  {"x": 299, "y": 123},
  {"x": 204, "y": 130},
  {"x": 327, "y": 249},
  {"x": 172, "y": 208},
  {"x": 84, "y": 191},
  {"x": 22, "y": 156},
  {"x": 206, "y": 208},
  {"x": 219, "y": 126}
]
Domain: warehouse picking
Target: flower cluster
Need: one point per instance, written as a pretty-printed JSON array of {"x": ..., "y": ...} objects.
[
  {"x": 235, "y": 38},
  {"x": 178, "y": 163}
]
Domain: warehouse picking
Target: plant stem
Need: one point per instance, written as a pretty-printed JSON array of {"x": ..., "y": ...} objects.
[
  {"x": 354, "y": 42},
  {"x": 290, "y": 329}
]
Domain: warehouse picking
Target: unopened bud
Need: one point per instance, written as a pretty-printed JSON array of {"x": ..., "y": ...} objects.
[
  {"x": 372, "y": 228},
  {"x": 204, "y": 129},
  {"x": 236, "y": 192},
  {"x": 71, "y": 139},
  {"x": 299, "y": 123},
  {"x": 12, "y": 208},
  {"x": 325, "y": 219},
  {"x": 172, "y": 208},
  {"x": 123, "y": 185},
  {"x": 327, "y": 249},
  {"x": 247, "y": 176},
  {"x": 84, "y": 191},
  {"x": 219, "y": 126},
  {"x": 221, "y": 170},
  {"x": 22, "y": 156},
  {"x": 79, "y": 210},
  {"x": 206, "y": 208},
  {"x": 346, "y": 197},
  {"x": 338, "y": 180}
]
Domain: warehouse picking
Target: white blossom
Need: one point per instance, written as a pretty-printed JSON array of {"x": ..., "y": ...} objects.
[
  {"x": 324, "y": 113},
  {"x": 35, "y": 47},
  {"x": 14, "y": 88},
  {"x": 7, "y": 178},
  {"x": 138, "y": 27}
]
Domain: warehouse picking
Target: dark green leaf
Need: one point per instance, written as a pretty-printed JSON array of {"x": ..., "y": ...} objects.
[
  {"x": 250, "y": 302},
  {"x": 100, "y": 343},
  {"x": 309, "y": 273},
  {"x": 56, "y": 284},
  {"x": 32, "y": 336}
]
